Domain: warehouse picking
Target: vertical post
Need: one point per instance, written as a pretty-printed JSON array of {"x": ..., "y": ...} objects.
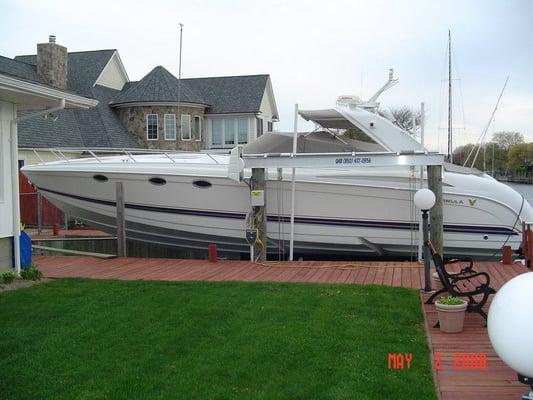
[
  {"x": 179, "y": 83},
  {"x": 259, "y": 217},
  {"x": 121, "y": 221},
  {"x": 15, "y": 190},
  {"x": 436, "y": 213},
  {"x": 450, "y": 119},
  {"x": 39, "y": 212},
  {"x": 293, "y": 188},
  {"x": 420, "y": 227},
  {"x": 65, "y": 217},
  {"x": 427, "y": 266}
]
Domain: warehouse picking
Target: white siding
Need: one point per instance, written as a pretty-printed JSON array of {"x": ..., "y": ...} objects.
[
  {"x": 113, "y": 76},
  {"x": 6, "y": 215}
]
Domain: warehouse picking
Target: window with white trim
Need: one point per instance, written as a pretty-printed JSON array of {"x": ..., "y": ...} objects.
[
  {"x": 270, "y": 126},
  {"x": 185, "y": 127},
  {"x": 151, "y": 126},
  {"x": 170, "y": 126},
  {"x": 226, "y": 132},
  {"x": 229, "y": 131},
  {"x": 259, "y": 127},
  {"x": 242, "y": 130},
  {"x": 217, "y": 131},
  {"x": 197, "y": 128}
]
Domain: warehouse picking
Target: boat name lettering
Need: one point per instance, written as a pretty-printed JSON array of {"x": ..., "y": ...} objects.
[{"x": 353, "y": 160}]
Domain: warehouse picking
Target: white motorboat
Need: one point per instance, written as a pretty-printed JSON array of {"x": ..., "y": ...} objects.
[{"x": 189, "y": 200}]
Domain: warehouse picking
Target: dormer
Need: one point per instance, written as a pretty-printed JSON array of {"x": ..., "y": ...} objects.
[{"x": 114, "y": 74}]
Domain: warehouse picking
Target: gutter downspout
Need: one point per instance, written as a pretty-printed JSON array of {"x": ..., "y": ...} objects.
[{"x": 15, "y": 174}]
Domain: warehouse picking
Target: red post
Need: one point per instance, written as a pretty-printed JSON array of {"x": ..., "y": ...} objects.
[
  {"x": 212, "y": 253},
  {"x": 524, "y": 236},
  {"x": 55, "y": 229},
  {"x": 507, "y": 255}
]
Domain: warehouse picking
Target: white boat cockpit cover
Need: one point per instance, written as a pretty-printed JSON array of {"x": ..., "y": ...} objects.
[{"x": 379, "y": 129}]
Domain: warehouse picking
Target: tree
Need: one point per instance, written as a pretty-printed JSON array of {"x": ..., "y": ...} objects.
[
  {"x": 484, "y": 160},
  {"x": 357, "y": 134},
  {"x": 520, "y": 157},
  {"x": 404, "y": 118},
  {"x": 506, "y": 139}
]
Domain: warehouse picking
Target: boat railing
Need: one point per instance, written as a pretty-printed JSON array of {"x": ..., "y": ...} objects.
[{"x": 97, "y": 153}]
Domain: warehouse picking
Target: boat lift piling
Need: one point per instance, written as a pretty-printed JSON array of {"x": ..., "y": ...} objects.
[
  {"x": 436, "y": 220},
  {"x": 259, "y": 215}
]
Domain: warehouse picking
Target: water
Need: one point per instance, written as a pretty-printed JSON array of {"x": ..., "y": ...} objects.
[{"x": 524, "y": 189}]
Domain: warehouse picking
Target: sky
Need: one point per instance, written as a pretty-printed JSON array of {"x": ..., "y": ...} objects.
[{"x": 315, "y": 51}]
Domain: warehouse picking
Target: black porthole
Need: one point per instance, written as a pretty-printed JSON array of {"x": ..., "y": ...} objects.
[
  {"x": 100, "y": 178},
  {"x": 157, "y": 181},
  {"x": 201, "y": 184}
]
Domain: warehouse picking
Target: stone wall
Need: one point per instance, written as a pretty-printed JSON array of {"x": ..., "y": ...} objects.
[{"x": 134, "y": 119}]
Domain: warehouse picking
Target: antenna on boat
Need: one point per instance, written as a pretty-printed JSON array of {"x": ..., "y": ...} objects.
[{"x": 390, "y": 83}]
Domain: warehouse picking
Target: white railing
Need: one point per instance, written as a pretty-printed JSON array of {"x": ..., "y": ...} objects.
[{"x": 85, "y": 153}]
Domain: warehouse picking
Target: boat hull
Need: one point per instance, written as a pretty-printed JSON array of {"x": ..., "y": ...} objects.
[{"x": 338, "y": 214}]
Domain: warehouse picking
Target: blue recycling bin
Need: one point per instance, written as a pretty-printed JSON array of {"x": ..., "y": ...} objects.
[{"x": 25, "y": 251}]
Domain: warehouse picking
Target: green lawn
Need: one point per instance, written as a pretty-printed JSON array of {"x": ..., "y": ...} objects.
[{"x": 90, "y": 339}]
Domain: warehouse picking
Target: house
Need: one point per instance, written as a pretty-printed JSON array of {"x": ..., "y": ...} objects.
[
  {"x": 31, "y": 94},
  {"x": 157, "y": 112}
]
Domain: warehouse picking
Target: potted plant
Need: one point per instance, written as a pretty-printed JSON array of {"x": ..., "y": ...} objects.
[{"x": 451, "y": 314}]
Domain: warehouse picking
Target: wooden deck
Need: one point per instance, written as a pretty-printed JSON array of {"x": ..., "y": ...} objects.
[{"x": 496, "y": 381}]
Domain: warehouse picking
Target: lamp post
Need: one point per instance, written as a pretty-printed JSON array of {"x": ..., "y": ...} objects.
[{"x": 425, "y": 200}]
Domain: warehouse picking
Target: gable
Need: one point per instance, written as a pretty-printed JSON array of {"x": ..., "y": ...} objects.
[{"x": 113, "y": 75}]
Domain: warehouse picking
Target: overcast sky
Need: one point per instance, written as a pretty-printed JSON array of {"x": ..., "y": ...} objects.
[{"x": 314, "y": 52}]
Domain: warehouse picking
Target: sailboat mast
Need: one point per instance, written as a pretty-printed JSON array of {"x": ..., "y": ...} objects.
[{"x": 450, "y": 135}]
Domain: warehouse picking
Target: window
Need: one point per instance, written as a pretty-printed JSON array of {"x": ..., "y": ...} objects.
[
  {"x": 229, "y": 131},
  {"x": 242, "y": 130},
  {"x": 197, "y": 128},
  {"x": 151, "y": 126},
  {"x": 170, "y": 127},
  {"x": 270, "y": 126},
  {"x": 216, "y": 132},
  {"x": 185, "y": 127},
  {"x": 226, "y": 132},
  {"x": 259, "y": 127}
]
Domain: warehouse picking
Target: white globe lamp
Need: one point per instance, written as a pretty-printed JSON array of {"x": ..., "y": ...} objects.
[
  {"x": 510, "y": 326},
  {"x": 424, "y": 199}
]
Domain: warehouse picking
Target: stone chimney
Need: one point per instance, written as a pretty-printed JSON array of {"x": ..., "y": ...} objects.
[{"x": 52, "y": 63}]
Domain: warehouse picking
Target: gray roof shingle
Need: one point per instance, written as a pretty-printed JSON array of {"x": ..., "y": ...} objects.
[
  {"x": 158, "y": 85},
  {"x": 84, "y": 68},
  {"x": 95, "y": 127},
  {"x": 231, "y": 94},
  {"x": 17, "y": 69},
  {"x": 100, "y": 126}
]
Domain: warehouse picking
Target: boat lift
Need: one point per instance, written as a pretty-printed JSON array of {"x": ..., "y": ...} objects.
[{"x": 259, "y": 162}]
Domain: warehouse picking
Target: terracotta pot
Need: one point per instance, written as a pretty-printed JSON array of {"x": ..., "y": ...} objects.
[{"x": 451, "y": 318}]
